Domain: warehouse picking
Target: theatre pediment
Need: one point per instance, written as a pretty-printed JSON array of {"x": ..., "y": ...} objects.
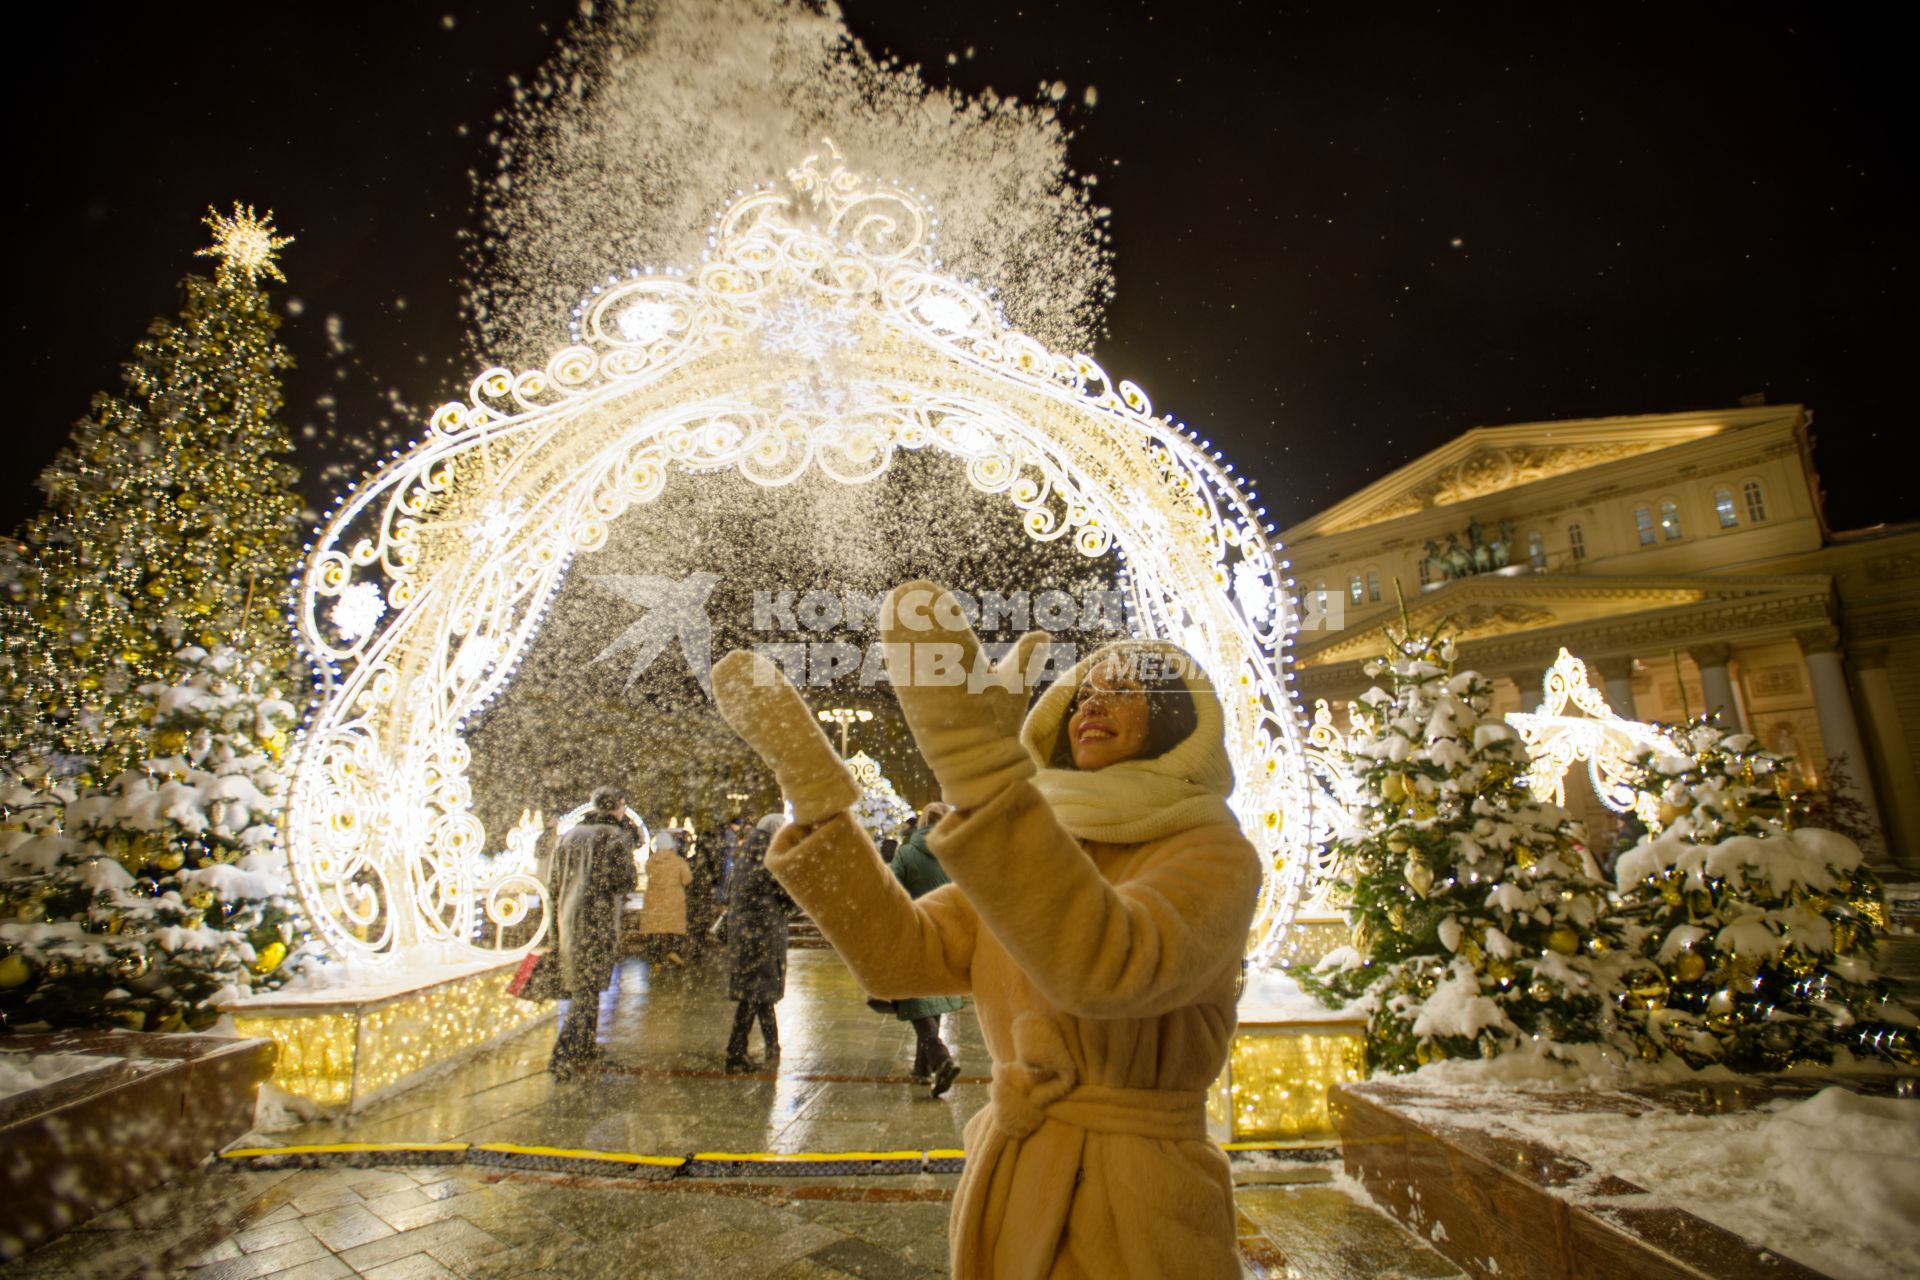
[{"x": 1490, "y": 460}]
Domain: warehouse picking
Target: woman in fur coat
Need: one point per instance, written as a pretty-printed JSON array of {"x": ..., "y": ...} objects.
[{"x": 1101, "y": 897}]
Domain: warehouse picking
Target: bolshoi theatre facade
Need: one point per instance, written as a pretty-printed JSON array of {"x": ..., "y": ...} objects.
[{"x": 1684, "y": 556}]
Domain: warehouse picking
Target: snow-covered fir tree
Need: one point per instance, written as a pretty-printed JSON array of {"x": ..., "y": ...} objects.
[
  {"x": 1756, "y": 931},
  {"x": 158, "y": 895},
  {"x": 882, "y": 809},
  {"x": 170, "y": 519},
  {"x": 1479, "y": 926}
]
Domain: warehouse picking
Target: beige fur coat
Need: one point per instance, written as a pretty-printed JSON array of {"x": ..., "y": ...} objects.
[{"x": 1104, "y": 978}]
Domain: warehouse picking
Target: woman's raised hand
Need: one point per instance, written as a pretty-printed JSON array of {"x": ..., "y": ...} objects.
[
  {"x": 964, "y": 713},
  {"x": 762, "y": 706}
]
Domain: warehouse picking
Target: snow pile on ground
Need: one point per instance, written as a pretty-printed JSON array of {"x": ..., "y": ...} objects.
[
  {"x": 20, "y": 1072},
  {"x": 1271, "y": 996},
  {"x": 1832, "y": 1181}
]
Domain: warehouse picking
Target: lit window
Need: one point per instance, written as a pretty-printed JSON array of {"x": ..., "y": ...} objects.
[
  {"x": 1723, "y": 507},
  {"x": 1537, "y": 549},
  {"x": 1670, "y": 520},
  {"x": 1756, "y": 502},
  {"x": 1355, "y": 590},
  {"x": 1320, "y": 595},
  {"x": 1373, "y": 585},
  {"x": 1643, "y": 521},
  {"x": 1577, "y": 541}
]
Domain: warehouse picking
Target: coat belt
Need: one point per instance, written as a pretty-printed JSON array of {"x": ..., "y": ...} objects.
[{"x": 1163, "y": 1115}]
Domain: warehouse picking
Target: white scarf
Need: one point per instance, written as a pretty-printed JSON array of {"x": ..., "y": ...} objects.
[{"x": 1138, "y": 800}]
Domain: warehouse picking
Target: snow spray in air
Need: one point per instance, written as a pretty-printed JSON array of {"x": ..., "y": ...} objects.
[{"x": 652, "y": 113}]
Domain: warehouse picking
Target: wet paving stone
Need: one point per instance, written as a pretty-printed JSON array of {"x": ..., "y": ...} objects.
[{"x": 841, "y": 1086}]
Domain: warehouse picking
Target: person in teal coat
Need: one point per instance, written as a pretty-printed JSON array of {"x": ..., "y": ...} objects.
[{"x": 919, "y": 872}]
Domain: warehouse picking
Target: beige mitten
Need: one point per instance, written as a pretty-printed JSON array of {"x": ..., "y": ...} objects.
[
  {"x": 964, "y": 713},
  {"x": 768, "y": 713}
]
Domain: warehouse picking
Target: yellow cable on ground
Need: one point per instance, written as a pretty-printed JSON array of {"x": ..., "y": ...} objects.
[{"x": 581, "y": 1153}]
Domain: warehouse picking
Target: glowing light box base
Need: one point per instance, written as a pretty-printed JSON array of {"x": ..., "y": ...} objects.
[
  {"x": 1287, "y": 1052},
  {"x": 343, "y": 1048}
]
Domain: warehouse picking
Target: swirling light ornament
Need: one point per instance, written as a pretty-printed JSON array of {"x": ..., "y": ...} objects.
[
  {"x": 817, "y": 331},
  {"x": 1556, "y": 740}
]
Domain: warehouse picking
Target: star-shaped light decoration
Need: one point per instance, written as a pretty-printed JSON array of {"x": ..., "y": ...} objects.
[{"x": 245, "y": 244}]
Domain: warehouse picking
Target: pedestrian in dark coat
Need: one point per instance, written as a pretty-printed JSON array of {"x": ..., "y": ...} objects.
[
  {"x": 703, "y": 894},
  {"x": 591, "y": 874},
  {"x": 757, "y": 910},
  {"x": 919, "y": 873}
]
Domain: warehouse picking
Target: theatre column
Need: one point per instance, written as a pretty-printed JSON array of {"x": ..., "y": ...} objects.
[
  {"x": 1716, "y": 685},
  {"x": 1894, "y": 781},
  {"x": 1839, "y": 728},
  {"x": 1617, "y": 675}
]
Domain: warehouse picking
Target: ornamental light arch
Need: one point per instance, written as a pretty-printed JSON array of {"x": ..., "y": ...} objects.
[
  {"x": 818, "y": 330},
  {"x": 1557, "y": 739}
]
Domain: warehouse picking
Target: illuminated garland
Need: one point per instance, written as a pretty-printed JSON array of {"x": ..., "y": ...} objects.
[{"x": 817, "y": 331}]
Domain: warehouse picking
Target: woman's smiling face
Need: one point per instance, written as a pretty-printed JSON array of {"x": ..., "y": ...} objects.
[{"x": 1110, "y": 718}]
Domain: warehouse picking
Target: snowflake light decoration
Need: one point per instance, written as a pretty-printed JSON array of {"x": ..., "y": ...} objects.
[
  {"x": 808, "y": 330},
  {"x": 357, "y": 610}
]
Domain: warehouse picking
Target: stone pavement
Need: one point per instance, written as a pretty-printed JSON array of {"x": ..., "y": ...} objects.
[{"x": 841, "y": 1086}]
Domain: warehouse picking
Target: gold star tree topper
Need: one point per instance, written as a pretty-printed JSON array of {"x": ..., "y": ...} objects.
[{"x": 245, "y": 244}]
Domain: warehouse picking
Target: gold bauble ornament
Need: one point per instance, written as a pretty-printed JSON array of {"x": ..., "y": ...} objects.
[
  {"x": 170, "y": 742},
  {"x": 1647, "y": 988},
  {"x": 1393, "y": 786},
  {"x": 171, "y": 860},
  {"x": 1598, "y": 945},
  {"x": 1690, "y": 967},
  {"x": 1564, "y": 940},
  {"x": 130, "y": 966},
  {"x": 201, "y": 900},
  {"x": 1541, "y": 991},
  {"x": 1423, "y": 1053},
  {"x": 1419, "y": 876},
  {"x": 14, "y": 971},
  {"x": 1500, "y": 969},
  {"x": 270, "y": 957}
]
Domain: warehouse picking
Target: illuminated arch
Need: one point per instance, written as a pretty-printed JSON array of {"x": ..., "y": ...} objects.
[
  {"x": 817, "y": 330},
  {"x": 1608, "y": 744}
]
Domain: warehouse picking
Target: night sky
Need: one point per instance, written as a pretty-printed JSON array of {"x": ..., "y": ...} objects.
[{"x": 1345, "y": 233}]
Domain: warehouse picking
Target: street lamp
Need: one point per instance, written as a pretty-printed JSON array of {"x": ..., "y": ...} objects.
[
  {"x": 846, "y": 718},
  {"x": 738, "y": 798}
]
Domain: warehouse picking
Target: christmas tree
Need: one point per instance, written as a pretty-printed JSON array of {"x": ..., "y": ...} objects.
[
  {"x": 1478, "y": 926},
  {"x": 882, "y": 809},
  {"x": 169, "y": 519},
  {"x": 162, "y": 893},
  {"x": 1755, "y": 930}
]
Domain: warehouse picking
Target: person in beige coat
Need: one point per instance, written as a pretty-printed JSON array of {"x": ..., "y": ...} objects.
[
  {"x": 1101, "y": 897},
  {"x": 663, "y": 913}
]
